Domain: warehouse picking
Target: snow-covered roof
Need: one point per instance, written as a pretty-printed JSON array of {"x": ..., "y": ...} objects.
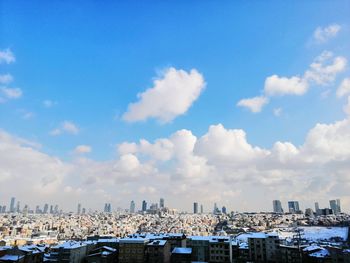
[
  {"x": 182, "y": 250},
  {"x": 157, "y": 243},
  {"x": 8, "y": 257},
  {"x": 320, "y": 254}
]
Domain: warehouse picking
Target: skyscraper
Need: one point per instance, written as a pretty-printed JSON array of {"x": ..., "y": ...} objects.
[
  {"x": 161, "y": 203},
  {"x": 132, "y": 207},
  {"x": 293, "y": 206},
  {"x": 79, "y": 209},
  {"x": 277, "y": 206},
  {"x": 144, "y": 206},
  {"x": 12, "y": 205},
  {"x": 195, "y": 208},
  {"x": 223, "y": 210},
  {"x": 317, "y": 207},
  {"x": 335, "y": 206},
  {"x": 201, "y": 209},
  {"x": 46, "y": 208}
]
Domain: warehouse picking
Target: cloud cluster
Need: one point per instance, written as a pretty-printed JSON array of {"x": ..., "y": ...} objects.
[
  {"x": 172, "y": 95},
  {"x": 323, "y": 34},
  {"x": 8, "y": 93},
  {"x": 184, "y": 168},
  {"x": 322, "y": 71},
  {"x": 65, "y": 127},
  {"x": 6, "y": 56}
]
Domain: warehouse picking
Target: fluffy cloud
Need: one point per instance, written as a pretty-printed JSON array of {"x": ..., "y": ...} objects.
[
  {"x": 344, "y": 88},
  {"x": 325, "y": 68},
  {"x": 275, "y": 85},
  {"x": 65, "y": 127},
  {"x": 254, "y": 104},
  {"x": 6, "y": 78},
  {"x": 172, "y": 95},
  {"x": 11, "y": 93},
  {"x": 6, "y": 56},
  {"x": 183, "y": 167},
  {"x": 81, "y": 149},
  {"x": 323, "y": 34},
  {"x": 49, "y": 103},
  {"x": 322, "y": 71}
]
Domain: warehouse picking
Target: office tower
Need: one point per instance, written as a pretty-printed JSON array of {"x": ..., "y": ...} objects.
[
  {"x": 223, "y": 210},
  {"x": 215, "y": 208},
  {"x": 37, "y": 210},
  {"x": 277, "y": 206},
  {"x": 56, "y": 209},
  {"x": 335, "y": 206},
  {"x": 12, "y": 205},
  {"x": 161, "y": 203},
  {"x": 132, "y": 207},
  {"x": 51, "y": 209},
  {"x": 46, "y": 208},
  {"x": 3, "y": 209},
  {"x": 195, "y": 208},
  {"x": 83, "y": 211},
  {"x": 0, "y": 209},
  {"x": 293, "y": 206},
  {"x": 201, "y": 209},
  {"x": 79, "y": 209},
  {"x": 144, "y": 206},
  {"x": 317, "y": 207},
  {"x": 25, "y": 210},
  {"x": 18, "y": 208}
]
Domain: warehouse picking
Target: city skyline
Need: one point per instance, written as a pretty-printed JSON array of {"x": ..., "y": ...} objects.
[{"x": 108, "y": 103}]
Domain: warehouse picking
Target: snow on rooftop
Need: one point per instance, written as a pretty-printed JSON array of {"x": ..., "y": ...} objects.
[
  {"x": 320, "y": 254},
  {"x": 324, "y": 233},
  {"x": 182, "y": 250},
  {"x": 11, "y": 257}
]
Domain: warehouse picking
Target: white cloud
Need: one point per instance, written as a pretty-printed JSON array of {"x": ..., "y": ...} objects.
[
  {"x": 279, "y": 86},
  {"x": 325, "y": 68},
  {"x": 344, "y": 88},
  {"x": 277, "y": 112},
  {"x": 254, "y": 104},
  {"x": 322, "y": 71},
  {"x": 65, "y": 127},
  {"x": 11, "y": 93},
  {"x": 172, "y": 95},
  {"x": 323, "y": 34},
  {"x": 6, "y": 56},
  {"x": 81, "y": 149},
  {"x": 6, "y": 79},
  {"x": 184, "y": 167},
  {"x": 49, "y": 103}
]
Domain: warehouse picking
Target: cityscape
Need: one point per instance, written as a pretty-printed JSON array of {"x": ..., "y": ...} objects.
[{"x": 186, "y": 131}]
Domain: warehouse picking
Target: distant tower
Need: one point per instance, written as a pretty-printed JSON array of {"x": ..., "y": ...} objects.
[
  {"x": 51, "y": 209},
  {"x": 195, "y": 208},
  {"x": 79, "y": 209},
  {"x": 144, "y": 206},
  {"x": 12, "y": 205},
  {"x": 46, "y": 208},
  {"x": 335, "y": 206},
  {"x": 161, "y": 203},
  {"x": 201, "y": 209},
  {"x": 317, "y": 207},
  {"x": 216, "y": 209},
  {"x": 18, "y": 207},
  {"x": 293, "y": 206},
  {"x": 277, "y": 206},
  {"x": 132, "y": 207},
  {"x": 223, "y": 210}
]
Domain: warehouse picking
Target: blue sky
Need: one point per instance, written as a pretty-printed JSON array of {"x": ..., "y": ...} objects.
[{"x": 91, "y": 59}]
